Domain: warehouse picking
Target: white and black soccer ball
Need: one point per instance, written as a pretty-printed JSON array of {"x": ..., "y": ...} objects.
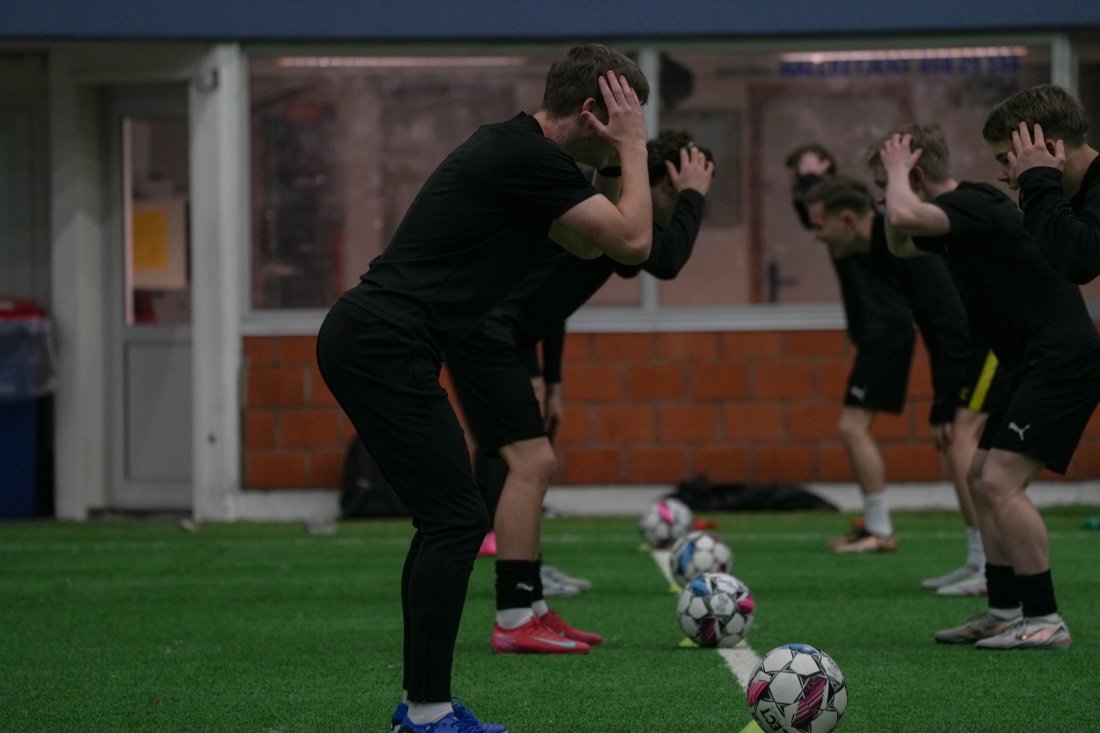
[
  {"x": 698, "y": 552},
  {"x": 665, "y": 521},
  {"x": 797, "y": 689},
  {"x": 716, "y": 610}
]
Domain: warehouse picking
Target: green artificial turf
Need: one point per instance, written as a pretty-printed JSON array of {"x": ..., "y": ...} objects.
[{"x": 142, "y": 626}]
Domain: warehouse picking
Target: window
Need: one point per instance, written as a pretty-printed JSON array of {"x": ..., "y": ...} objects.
[{"x": 341, "y": 144}]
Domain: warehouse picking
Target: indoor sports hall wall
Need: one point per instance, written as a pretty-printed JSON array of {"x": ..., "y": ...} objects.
[{"x": 639, "y": 409}]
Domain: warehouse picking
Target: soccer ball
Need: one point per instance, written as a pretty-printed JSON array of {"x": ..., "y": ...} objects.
[
  {"x": 716, "y": 610},
  {"x": 797, "y": 689},
  {"x": 665, "y": 521},
  {"x": 698, "y": 552}
]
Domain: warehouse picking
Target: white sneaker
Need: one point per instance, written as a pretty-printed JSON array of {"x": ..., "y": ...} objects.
[
  {"x": 557, "y": 577},
  {"x": 950, "y": 578},
  {"x": 972, "y": 585},
  {"x": 977, "y": 627},
  {"x": 1029, "y": 633}
]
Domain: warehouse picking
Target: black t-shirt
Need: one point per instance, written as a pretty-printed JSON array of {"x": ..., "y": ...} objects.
[
  {"x": 883, "y": 296},
  {"x": 562, "y": 283},
  {"x": 474, "y": 230},
  {"x": 1027, "y": 306},
  {"x": 1067, "y": 232}
]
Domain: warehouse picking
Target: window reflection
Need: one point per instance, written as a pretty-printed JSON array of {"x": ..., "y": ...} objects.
[{"x": 340, "y": 145}]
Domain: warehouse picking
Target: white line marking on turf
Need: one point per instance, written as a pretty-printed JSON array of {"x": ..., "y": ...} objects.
[{"x": 741, "y": 659}]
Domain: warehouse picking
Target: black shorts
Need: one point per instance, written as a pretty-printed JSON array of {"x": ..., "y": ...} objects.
[
  {"x": 386, "y": 379},
  {"x": 1049, "y": 407},
  {"x": 493, "y": 385},
  {"x": 880, "y": 374}
]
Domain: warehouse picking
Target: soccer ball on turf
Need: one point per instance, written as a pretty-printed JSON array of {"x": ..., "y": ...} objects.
[
  {"x": 716, "y": 610},
  {"x": 665, "y": 521},
  {"x": 797, "y": 689},
  {"x": 698, "y": 552}
]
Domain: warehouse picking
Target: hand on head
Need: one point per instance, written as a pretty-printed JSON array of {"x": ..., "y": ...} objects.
[
  {"x": 695, "y": 171},
  {"x": 1030, "y": 153},
  {"x": 897, "y": 158},
  {"x": 625, "y": 125}
]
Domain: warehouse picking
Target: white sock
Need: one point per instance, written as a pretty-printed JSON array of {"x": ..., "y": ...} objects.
[
  {"x": 540, "y": 607},
  {"x": 428, "y": 712},
  {"x": 1004, "y": 613},
  {"x": 513, "y": 618},
  {"x": 1050, "y": 618},
  {"x": 975, "y": 553},
  {"x": 876, "y": 515}
]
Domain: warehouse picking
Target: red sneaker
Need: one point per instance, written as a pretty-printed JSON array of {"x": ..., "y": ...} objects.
[
  {"x": 534, "y": 637},
  {"x": 553, "y": 621}
]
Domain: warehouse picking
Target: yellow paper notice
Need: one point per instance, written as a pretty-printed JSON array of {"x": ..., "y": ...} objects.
[{"x": 150, "y": 239}]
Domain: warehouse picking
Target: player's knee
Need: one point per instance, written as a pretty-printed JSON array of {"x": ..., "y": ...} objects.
[{"x": 535, "y": 463}]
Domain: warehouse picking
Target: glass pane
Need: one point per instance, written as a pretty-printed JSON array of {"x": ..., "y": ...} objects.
[
  {"x": 156, "y": 182},
  {"x": 752, "y": 109},
  {"x": 341, "y": 145},
  {"x": 1088, "y": 85}
]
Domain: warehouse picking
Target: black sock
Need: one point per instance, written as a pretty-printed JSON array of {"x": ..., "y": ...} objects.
[
  {"x": 1037, "y": 594},
  {"x": 517, "y": 581},
  {"x": 1001, "y": 581}
]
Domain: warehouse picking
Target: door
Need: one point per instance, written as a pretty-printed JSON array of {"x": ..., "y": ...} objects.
[{"x": 150, "y": 305}]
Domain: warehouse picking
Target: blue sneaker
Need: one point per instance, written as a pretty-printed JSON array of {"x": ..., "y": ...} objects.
[
  {"x": 398, "y": 716},
  {"x": 462, "y": 720},
  {"x": 462, "y": 712}
]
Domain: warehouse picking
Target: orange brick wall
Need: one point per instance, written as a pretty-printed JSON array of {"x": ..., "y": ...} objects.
[{"x": 639, "y": 408}]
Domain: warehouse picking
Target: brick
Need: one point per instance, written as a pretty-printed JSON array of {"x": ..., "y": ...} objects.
[
  {"x": 319, "y": 394},
  {"x": 920, "y": 380},
  {"x": 304, "y": 428},
  {"x": 894, "y": 427},
  {"x": 722, "y": 381},
  {"x": 656, "y": 465},
  {"x": 785, "y": 462},
  {"x": 326, "y": 469},
  {"x": 688, "y": 423},
  {"x": 832, "y": 378},
  {"x": 688, "y": 345},
  {"x": 721, "y": 462},
  {"x": 575, "y": 427},
  {"x": 815, "y": 343},
  {"x": 625, "y": 423},
  {"x": 591, "y": 466},
  {"x": 912, "y": 462},
  {"x": 751, "y": 344},
  {"x": 1085, "y": 464},
  {"x": 275, "y": 469},
  {"x": 655, "y": 381},
  {"x": 1093, "y": 427},
  {"x": 787, "y": 378},
  {"x": 578, "y": 347},
  {"x": 260, "y": 351},
  {"x": 833, "y": 463},
  {"x": 814, "y": 420},
  {"x": 614, "y": 346},
  {"x": 592, "y": 382},
  {"x": 259, "y": 428},
  {"x": 276, "y": 386},
  {"x": 297, "y": 350},
  {"x": 753, "y": 420}
]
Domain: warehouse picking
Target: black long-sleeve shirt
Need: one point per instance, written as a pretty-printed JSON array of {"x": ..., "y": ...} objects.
[
  {"x": 1066, "y": 231},
  {"x": 561, "y": 283}
]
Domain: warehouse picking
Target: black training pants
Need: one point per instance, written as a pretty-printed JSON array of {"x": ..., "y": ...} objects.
[{"x": 386, "y": 378}]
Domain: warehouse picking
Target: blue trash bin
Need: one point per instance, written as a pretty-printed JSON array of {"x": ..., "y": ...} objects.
[{"x": 26, "y": 375}]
